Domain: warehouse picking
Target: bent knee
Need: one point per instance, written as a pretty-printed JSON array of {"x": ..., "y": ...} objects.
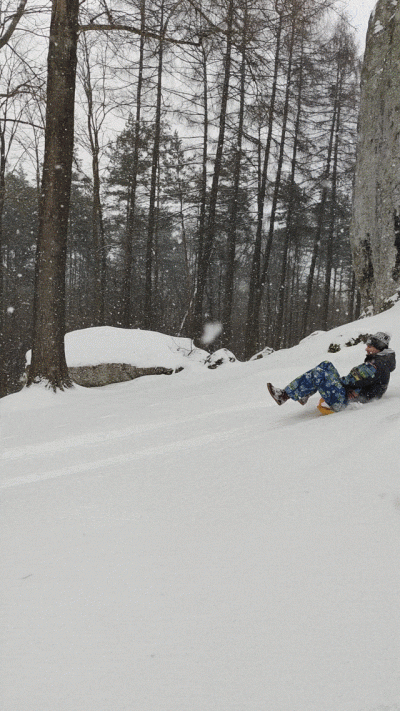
[{"x": 326, "y": 365}]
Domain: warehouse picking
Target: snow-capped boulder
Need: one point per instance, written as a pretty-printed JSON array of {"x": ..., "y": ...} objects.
[
  {"x": 263, "y": 354},
  {"x": 219, "y": 358},
  {"x": 104, "y": 355}
]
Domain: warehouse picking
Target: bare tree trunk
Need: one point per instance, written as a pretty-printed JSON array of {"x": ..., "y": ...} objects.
[
  {"x": 99, "y": 261},
  {"x": 3, "y": 373},
  {"x": 157, "y": 282},
  {"x": 148, "y": 290},
  {"x": 252, "y": 334},
  {"x": 203, "y": 191},
  {"x": 230, "y": 262},
  {"x": 279, "y": 329},
  {"x": 48, "y": 354},
  {"x": 130, "y": 223},
  {"x": 204, "y": 261},
  {"x": 185, "y": 245},
  {"x": 351, "y": 303},
  {"x": 331, "y": 235},
  {"x": 13, "y": 22},
  {"x": 320, "y": 223},
  {"x": 260, "y": 287},
  {"x": 188, "y": 319}
]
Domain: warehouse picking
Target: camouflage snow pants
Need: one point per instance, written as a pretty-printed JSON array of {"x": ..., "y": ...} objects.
[{"x": 325, "y": 379}]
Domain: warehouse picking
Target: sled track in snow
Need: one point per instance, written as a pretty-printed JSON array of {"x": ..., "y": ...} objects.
[
  {"x": 62, "y": 445},
  {"x": 187, "y": 444}
]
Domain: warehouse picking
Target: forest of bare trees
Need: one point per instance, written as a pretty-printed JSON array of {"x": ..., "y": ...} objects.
[{"x": 167, "y": 163}]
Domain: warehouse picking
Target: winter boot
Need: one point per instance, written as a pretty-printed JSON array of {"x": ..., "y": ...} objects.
[
  {"x": 303, "y": 400},
  {"x": 279, "y": 395}
]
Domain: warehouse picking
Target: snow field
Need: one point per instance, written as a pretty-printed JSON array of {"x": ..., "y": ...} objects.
[{"x": 180, "y": 543}]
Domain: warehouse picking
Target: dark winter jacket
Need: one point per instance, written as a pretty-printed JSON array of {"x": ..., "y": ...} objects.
[{"x": 370, "y": 379}]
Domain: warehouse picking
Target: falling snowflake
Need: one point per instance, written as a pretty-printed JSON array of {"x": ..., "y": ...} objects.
[{"x": 211, "y": 331}]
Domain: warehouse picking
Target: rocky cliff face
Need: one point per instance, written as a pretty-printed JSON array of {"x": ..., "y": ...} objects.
[{"x": 376, "y": 212}]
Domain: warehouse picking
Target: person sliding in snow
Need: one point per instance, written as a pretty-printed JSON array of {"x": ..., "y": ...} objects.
[{"x": 365, "y": 382}]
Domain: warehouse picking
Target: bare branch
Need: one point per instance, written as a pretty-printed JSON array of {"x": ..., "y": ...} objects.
[
  {"x": 205, "y": 17},
  {"x": 14, "y": 22},
  {"x": 133, "y": 30}
]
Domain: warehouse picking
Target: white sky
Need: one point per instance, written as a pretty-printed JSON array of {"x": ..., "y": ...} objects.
[{"x": 359, "y": 12}]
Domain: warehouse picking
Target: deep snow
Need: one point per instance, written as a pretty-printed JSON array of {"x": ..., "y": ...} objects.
[{"x": 180, "y": 543}]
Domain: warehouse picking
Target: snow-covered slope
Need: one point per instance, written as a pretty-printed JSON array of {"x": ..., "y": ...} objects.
[{"x": 180, "y": 543}]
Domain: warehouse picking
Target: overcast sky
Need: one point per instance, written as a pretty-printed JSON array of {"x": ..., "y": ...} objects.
[{"x": 359, "y": 12}]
